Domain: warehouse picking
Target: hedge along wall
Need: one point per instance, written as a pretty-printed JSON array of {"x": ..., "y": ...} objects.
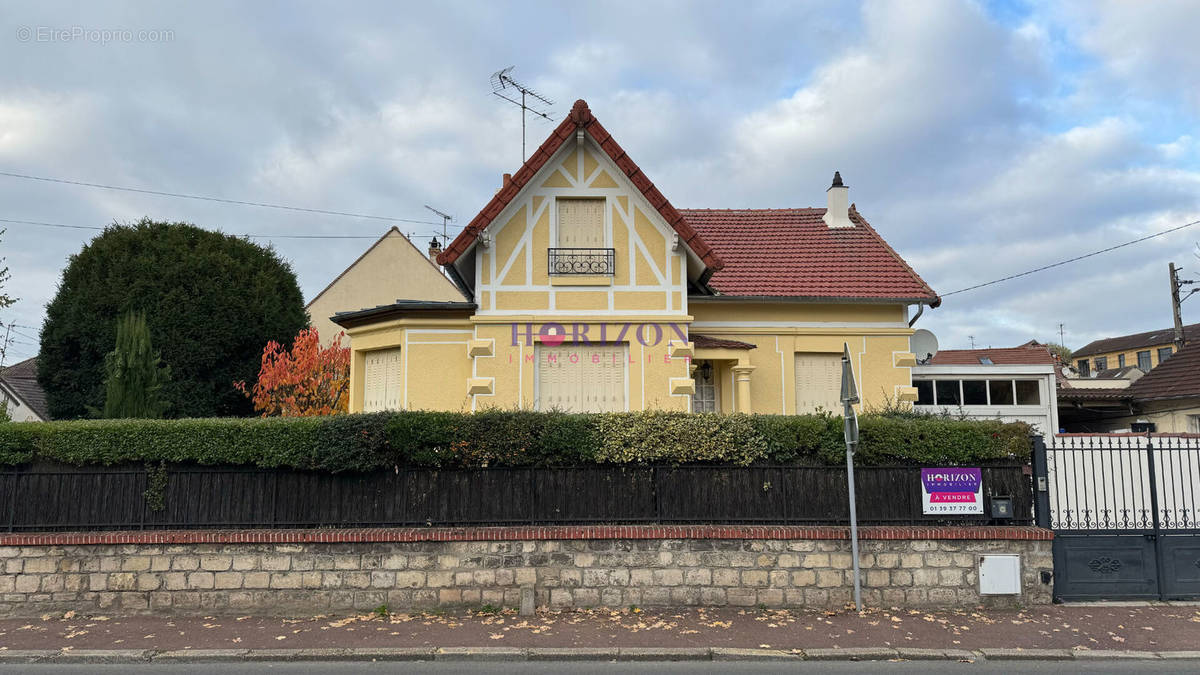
[{"x": 511, "y": 438}]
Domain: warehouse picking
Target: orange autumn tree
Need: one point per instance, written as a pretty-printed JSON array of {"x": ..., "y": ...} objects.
[{"x": 306, "y": 381}]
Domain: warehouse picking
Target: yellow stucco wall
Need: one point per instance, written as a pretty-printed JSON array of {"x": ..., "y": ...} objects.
[
  {"x": 1114, "y": 358},
  {"x": 390, "y": 270},
  {"x": 439, "y": 369},
  {"x": 874, "y": 333}
]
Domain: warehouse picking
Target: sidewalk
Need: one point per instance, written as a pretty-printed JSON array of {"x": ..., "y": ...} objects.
[{"x": 1066, "y": 631}]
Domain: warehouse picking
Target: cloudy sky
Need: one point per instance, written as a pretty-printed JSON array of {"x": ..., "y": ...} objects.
[{"x": 982, "y": 140}]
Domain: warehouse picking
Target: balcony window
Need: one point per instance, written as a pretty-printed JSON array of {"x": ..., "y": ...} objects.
[
  {"x": 580, "y": 239},
  {"x": 1164, "y": 353},
  {"x": 581, "y": 223},
  {"x": 1082, "y": 366},
  {"x": 1144, "y": 360},
  {"x": 1101, "y": 363}
]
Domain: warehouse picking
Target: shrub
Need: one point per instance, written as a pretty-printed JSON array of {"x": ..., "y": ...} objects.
[
  {"x": 508, "y": 438},
  {"x": 656, "y": 436},
  {"x": 211, "y": 301}
]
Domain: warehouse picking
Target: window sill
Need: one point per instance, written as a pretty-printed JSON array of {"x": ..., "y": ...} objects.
[{"x": 581, "y": 280}]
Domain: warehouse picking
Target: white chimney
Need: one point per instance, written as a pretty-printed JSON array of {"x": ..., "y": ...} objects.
[{"x": 837, "y": 210}]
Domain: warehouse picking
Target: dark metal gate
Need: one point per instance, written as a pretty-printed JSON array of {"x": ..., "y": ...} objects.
[{"x": 1124, "y": 512}]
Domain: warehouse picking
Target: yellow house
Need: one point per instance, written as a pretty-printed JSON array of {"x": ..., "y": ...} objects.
[
  {"x": 586, "y": 290},
  {"x": 392, "y": 268},
  {"x": 1142, "y": 350}
]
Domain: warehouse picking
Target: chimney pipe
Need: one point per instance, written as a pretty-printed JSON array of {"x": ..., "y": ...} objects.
[
  {"x": 435, "y": 249},
  {"x": 837, "y": 209}
]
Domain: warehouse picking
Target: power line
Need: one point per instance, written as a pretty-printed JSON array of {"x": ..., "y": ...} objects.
[
  {"x": 252, "y": 236},
  {"x": 181, "y": 195},
  {"x": 1071, "y": 260}
]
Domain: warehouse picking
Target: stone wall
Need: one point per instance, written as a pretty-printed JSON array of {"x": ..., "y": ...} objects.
[{"x": 310, "y": 572}]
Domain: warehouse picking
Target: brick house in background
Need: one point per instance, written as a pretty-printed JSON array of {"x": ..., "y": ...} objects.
[
  {"x": 586, "y": 290},
  {"x": 1141, "y": 350}
]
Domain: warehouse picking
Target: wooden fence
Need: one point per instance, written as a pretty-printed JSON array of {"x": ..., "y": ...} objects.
[{"x": 58, "y": 498}]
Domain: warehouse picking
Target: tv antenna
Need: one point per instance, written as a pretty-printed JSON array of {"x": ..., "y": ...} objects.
[
  {"x": 502, "y": 83},
  {"x": 446, "y": 220}
]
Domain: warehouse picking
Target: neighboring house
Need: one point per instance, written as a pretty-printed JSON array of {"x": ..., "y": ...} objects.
[
  {"x": 1015, "y": 384},
  {"x": 588, "y": 291},
  {"x": 1143, "y": 350},
  {"x": 391, "y": 268},
  {"x": 20, "y": 390},
  {"x": 1165, "y": 400}
]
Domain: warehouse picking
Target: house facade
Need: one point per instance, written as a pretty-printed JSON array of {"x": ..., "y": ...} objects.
[
  {"x": 1014, "y": 384},
  {"x": 390, "y": 269},
  {"x": 1143, "y": 351},
  {"x": 1165, "y": 400},
  {"x": 586, "y": 290}
]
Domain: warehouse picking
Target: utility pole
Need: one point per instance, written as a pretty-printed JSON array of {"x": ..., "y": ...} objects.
[
  {"x": 1062, "y": 341},
  {"x": 4, "y": 345},
  {"x": 1176, "y": 284}
]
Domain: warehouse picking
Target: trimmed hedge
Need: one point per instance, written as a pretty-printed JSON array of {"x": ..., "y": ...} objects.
[{"x": 511, "y": 438}]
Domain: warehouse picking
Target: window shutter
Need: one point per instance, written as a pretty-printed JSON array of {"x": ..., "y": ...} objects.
[
  {"x": 382, "y": 383},
  {"x": 582, "y": 378},
  {"x": 581, "y": 223},
  {"x": 818, "y": 382}
]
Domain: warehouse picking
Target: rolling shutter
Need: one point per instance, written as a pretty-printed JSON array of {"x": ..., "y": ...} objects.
[
  {"x": 582, "y": 378},
  {"x": 818, "y": 382},
  {"x": 382, "y": 385},
  {"x": 581, "y": 223}
]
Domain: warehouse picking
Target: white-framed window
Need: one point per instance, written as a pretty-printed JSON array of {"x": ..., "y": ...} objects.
[
  {"x": 580, "y": 222},
  {"x": 707, "y": 396},
  {"x": 576, "y": 377},
  {"x": 971, "y": 392}
]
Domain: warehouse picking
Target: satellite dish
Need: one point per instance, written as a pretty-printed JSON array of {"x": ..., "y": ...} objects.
[{"x": 923, "y": 344}]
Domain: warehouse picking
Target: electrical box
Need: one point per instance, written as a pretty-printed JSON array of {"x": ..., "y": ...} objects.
[
  {"x": 1002, "y": 507},
  {"x": 999, "y": 575}
]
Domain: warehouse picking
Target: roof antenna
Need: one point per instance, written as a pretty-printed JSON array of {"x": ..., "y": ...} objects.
[
  {"x": 446, "y": 220},
  {"x": 502, "y": 81}
]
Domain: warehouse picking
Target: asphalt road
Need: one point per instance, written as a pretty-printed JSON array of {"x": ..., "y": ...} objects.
[{"x": 526, "y": 668}]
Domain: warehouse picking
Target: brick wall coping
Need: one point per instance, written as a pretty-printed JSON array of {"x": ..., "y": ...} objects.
[{"x": 518, "y": 533}]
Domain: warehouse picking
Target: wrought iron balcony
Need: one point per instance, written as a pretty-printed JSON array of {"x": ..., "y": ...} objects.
[{"x": 597, "y": 261}]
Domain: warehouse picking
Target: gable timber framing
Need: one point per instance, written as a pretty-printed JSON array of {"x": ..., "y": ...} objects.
[{"x": 650, "y": 278}]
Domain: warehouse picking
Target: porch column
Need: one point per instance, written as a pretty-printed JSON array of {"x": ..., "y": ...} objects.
[{"x": 741, "y": 376}]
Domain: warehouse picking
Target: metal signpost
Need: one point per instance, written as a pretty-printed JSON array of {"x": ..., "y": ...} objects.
[{"x": 849, "y": 398}]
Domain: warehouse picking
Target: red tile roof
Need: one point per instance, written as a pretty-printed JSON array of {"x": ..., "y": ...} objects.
[
  {"x": 761, "y": 252},
  {"x": 581, "y": 118},
  {"x": 1025, "y": 355},
  {"x": 1177, "y": 377},
  {"x": 793, "y": 253}
]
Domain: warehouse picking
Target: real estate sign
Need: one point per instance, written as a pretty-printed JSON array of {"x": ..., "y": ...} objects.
[{"x": 951, "y": 491}]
